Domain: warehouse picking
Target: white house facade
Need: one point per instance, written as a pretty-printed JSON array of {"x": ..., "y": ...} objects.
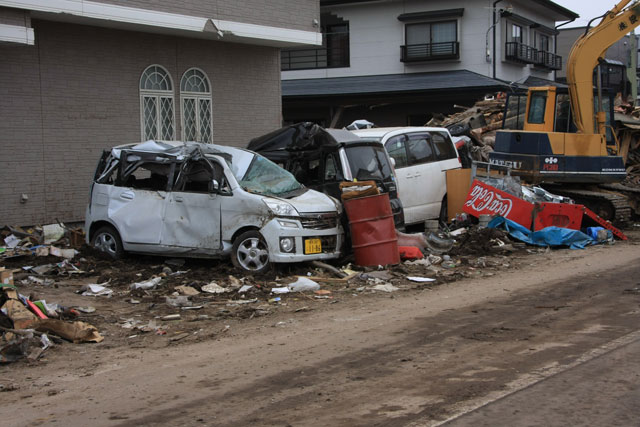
[{"x": 493, "y": 42}]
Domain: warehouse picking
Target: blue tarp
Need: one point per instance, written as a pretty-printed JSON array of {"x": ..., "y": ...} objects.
[{"x": 549, "y": 236}]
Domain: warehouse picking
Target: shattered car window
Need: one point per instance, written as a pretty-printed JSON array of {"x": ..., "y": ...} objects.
[
  {"x": 266, "y": 178},
  {"x": 149, "y": 176},
  {"x": 369, "y": 162}
]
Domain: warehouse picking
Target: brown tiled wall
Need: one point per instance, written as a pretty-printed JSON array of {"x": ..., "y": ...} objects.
[
  {"x": 75, "y": 93},
  {"x": 295, "y": 14}
]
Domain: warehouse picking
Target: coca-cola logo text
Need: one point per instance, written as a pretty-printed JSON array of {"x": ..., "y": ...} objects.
[{"x": 483, "y": 199}]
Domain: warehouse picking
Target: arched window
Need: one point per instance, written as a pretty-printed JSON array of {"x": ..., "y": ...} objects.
[
  {"x": 195, "y": 100},
  {"x": 156, "y": 104}
]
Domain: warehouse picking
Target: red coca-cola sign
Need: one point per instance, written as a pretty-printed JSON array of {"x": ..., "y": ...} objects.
[{"x": 484, "y": 199}]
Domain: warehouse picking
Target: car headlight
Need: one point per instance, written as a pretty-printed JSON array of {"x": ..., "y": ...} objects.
[
  {"x": 280, "y": 208},
  {"x": 287, "y": 244}
]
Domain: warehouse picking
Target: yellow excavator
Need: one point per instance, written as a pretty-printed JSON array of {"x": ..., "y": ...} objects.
[{"x": 565, "y": 139}]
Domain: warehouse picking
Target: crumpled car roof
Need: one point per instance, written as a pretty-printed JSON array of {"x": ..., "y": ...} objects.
[
  {"x": 177, "y": 149},
  {"x": 305, "y": 136}
]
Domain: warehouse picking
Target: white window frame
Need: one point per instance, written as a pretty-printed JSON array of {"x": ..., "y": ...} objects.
[
  {"x": 197, "y": 97},
  {"x": 158, "y": 95}
]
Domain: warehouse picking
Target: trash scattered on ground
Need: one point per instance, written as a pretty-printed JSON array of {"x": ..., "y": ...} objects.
[
  {"x": 186, "y": 290},
  {"x": 148, "y": 298},
  {"x": 147, "y": 284},
  {"x": 214, "y": 288},
  {"x": 178, "y": 301},
  {"x": 75, "y": 332},
  {"x": 93, "y": 289},
  {"x": 420, "y": 279},
  {"x": 302, "y": 285},
  {"x": 244, "y": 288}
]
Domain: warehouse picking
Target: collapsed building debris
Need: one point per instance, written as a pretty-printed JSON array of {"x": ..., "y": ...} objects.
[{"x": 474, "y": 129}]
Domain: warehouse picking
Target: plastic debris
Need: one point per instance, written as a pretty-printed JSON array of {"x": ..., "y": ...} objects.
[
  {"x": 11, "y": 241},
  {"x": 62, "y": 253},
  {"x": 420, "y": 279},
  {"x": 52, "y": 233},
  {"x": 303, "y": 284},
  {"x": 43, "y": 269},
  {"x": 95, "y": 290},
  {"x": 147, "y": 284},
  {"x": 214, "y": 288}
]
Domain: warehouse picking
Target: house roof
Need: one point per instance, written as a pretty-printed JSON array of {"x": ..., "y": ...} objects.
[
  {"x": 441, "y": 81},
  {"x": 569, "y": 14}
]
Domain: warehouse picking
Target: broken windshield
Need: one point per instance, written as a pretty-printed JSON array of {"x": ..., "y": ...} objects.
[
  {"x": 369, "y": 162},
  {"x": 266, "y": 178}
]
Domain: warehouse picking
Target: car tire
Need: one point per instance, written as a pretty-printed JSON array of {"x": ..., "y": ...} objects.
[
  {"x": 107, "y": 240},
  {"x": 251, "y": 253}
]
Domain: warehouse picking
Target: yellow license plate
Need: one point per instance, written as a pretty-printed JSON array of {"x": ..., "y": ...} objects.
[{"x": 312, "y": 246}]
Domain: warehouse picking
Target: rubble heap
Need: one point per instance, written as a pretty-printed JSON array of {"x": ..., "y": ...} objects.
[{"x": 476, "y": 126}]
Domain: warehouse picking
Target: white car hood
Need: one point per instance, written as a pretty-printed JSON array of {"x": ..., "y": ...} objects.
[{"x": 312, "y": 202}]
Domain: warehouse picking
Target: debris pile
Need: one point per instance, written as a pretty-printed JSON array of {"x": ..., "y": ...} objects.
[
  {"x": 474, "y": 129},
  {"x": 56, "y": 240},
  {"x": 144, "y": 300},
  {"x": 29, "y": 326}
]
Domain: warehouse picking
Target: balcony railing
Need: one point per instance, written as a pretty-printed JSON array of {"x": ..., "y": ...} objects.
[
  {"x": 430, "y": 52},
  {"x": 548, "y": 60},
  {"x": 334, "y": 55},
  {"x": 517, "y": 51}
]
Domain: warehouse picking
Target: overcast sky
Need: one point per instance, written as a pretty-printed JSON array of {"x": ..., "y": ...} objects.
[{"x": 587, "y": 9}]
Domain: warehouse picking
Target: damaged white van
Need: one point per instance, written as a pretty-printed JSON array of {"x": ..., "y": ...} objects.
[{"x": 204, "y": 200}]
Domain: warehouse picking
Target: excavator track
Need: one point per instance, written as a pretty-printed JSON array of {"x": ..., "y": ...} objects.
[{"x": 611, "y": 206}]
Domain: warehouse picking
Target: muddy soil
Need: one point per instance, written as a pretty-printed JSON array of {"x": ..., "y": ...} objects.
[
  {"x": 140, "y": 316},
  {"x": 355, "y": 356}
]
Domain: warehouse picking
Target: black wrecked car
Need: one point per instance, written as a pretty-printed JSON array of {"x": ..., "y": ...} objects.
[{"x": 322, "y": 158}]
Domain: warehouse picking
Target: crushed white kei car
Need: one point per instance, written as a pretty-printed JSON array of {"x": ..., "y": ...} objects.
[{"x": 191, "y": 199}]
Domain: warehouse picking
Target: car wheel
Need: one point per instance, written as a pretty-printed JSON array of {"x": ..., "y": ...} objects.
[
  {"x": 251, "y": 253},
  {"x": 443, "y": 218},
  {"x": 107, "y": 240}
]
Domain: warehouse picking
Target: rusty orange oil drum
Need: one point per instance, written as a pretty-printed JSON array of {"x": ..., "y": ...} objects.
[{"x": 373, "y": 232}]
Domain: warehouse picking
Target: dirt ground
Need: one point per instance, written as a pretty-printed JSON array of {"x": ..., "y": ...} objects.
[{"x": 355, "y": 356}]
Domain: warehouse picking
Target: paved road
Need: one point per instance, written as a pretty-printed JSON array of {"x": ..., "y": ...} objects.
[{"x": 603, "y": 391}]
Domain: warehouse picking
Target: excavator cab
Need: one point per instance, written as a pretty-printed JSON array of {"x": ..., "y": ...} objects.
[
  {"x": 540, "y": 143},
  {"x": 548, "y": 109}
]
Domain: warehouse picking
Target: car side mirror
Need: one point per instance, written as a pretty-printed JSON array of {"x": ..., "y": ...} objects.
[
  {"x": 393, "y": 162},
  {"x": 215, "y": 186}
]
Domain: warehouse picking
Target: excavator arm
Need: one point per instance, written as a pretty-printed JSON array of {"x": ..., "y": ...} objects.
[{"x": 585, "y": 55}]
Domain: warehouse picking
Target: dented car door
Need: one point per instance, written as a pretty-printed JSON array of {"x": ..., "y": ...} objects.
[
  {"x": 136, "y": 201},
  {"x": 192, "y": 214}
]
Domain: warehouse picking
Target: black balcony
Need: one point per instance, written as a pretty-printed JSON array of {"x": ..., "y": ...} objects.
[
  {"x": 548, "y": 60},
  {"x": 516, "y": 51},
  {"x": 334, "y": 55},
  {"x": 430, "y": 52}
]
